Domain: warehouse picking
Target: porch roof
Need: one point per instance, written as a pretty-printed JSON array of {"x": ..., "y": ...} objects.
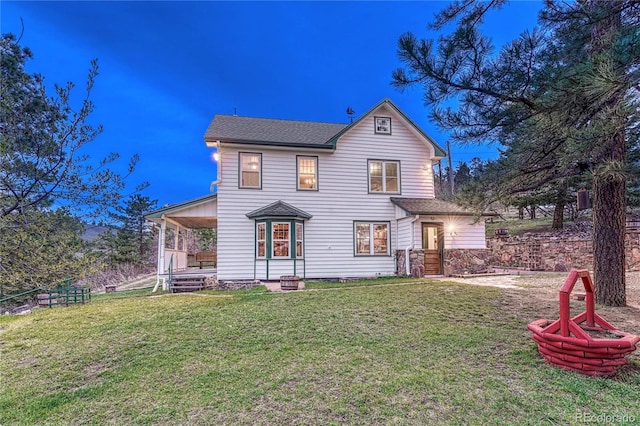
[
  {"x": 279, "y": 209},
  {"x": 193, "y": 214},
  {"x": 431, "y": 206}
]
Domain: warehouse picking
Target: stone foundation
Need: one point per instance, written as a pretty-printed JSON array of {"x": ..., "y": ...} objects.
[
  {"x": 237, "y": 285},
  {"x": 416, "y": 263}
]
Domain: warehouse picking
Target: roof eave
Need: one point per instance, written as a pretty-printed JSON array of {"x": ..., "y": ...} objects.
[
  {"x": 277, "y": 217},
  {"x": 270, "y": 143},
  {"x": 428, "y": 213},
  {"x": 157, "y": 214}
]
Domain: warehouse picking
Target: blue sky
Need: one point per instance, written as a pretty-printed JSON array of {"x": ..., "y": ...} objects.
[{"x": 167, "y": 67}]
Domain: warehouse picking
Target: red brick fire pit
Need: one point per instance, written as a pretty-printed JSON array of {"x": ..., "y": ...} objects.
[{"x": 585, "y": 343}]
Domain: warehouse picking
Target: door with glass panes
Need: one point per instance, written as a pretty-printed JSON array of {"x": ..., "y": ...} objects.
[{"x": 432, "y": 244}]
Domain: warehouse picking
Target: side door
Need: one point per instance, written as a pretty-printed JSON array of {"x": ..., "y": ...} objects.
[{"x": 433, "y": 245}]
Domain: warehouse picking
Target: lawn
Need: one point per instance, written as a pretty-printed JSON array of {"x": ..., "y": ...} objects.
[{"x": 421, "y": 353}]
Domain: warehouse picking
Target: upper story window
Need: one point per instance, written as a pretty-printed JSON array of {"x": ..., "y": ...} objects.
[
  {"x": 250, "y": 170},
  {"x": 307, "y": 173},
  {"x": 384, "y": 176},
  {"x": 382, "y": 125}
]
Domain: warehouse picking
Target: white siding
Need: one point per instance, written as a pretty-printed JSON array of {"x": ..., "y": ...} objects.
[
  {"x": 342, "y": 198},
  {"x": 205, "y": 209},
  {"x": 468, "y": 235},
  {"x": 405, "y": 233}
]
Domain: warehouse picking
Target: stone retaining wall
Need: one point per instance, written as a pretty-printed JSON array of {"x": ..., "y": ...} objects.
[{"x": 540, "y": 252}]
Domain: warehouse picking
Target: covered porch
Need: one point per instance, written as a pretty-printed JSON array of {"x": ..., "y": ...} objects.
[{"x": 176, "y": 260}]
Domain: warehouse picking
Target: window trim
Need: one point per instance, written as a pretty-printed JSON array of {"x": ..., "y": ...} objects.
[
  {"x": 384, "y": 176},
  {"x": 240, "y": 155},
  {"x": 273, "y": 240},
  {"x": 372, "y": 252},
  {"x": 269, "y": 240},
  {"x": 298, "y": 238},
  {"x": 266, "y": 239},
  {"x": 375, "y": 125},
  {"x": 314, "y": 157}
]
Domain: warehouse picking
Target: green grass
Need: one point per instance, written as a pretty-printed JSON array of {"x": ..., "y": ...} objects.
[
  {"x": 429, "y": 353},
  {"x": 360, "y": 283}
]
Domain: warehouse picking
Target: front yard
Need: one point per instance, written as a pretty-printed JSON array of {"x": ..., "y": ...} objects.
[{"x": 424, "y": 353}]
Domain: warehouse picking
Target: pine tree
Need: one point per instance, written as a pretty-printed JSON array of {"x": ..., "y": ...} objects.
[
  {"x": 45, "y": 180},
  {"x": 132, "y": 238},
  {"x": 561, "y": 99}
]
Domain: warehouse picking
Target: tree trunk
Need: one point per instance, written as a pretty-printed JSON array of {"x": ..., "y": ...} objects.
[
  {"x": 558, "y": 216},
  {"x": 609, "y": 219},
  {"x": 558, "y": 211},
  {"x": 609, "y": 182}
]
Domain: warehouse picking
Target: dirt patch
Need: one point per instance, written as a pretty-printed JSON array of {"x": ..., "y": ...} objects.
[
  {"x": 526, "y": 298},
  {"x": 536, "y": 297}
]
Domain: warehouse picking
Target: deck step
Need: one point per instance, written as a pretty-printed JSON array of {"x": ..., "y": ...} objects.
[{"x": 181, "y": 284}]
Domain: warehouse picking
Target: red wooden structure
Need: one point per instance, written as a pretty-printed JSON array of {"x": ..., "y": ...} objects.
[{"x": 585, "y": 343}]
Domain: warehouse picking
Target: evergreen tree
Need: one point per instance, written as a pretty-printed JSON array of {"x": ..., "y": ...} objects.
[
  {"x": 42, "y": 169},
  {"x": 131, "y": 240},
  {"x": 462, "y": 176},
  {"x": 562, "y": 100}
]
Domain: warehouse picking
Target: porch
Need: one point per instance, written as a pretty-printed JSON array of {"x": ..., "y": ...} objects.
[{"x": 179, "y": 261}]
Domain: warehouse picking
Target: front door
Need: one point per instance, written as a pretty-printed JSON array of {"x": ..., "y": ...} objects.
[{"x": 432, "y": 244}]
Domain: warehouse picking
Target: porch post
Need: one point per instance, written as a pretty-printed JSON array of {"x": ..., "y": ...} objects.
[{"x": 161, "y": 242}]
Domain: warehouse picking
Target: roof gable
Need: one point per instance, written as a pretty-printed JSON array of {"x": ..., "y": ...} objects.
[
  {"x": 438, "y": 150},
  {"x": 300, "y": 134},
  {"x": 180, "y": 207}
]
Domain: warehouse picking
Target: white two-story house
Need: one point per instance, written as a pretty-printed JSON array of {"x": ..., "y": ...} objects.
[{"x": 322, "y": 200}]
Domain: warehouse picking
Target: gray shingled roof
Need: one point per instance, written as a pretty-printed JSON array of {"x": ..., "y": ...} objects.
[
  {"x": 432, "y": 206},
  {"x": 279, "y": 209},
  {"x": 267, "y": 131}
]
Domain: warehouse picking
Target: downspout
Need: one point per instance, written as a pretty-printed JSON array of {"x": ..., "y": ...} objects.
[{"x": 413, "y": 243}]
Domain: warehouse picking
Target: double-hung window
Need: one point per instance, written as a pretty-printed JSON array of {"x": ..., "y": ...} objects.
[
  {"x": 280, "y": 239},
  {"x": 276, "y": 239},
  {"x": 250, "y": 170},
  {"x": 299, "y": 240},
  {"x": 261, "y": 240},
  {"x": 384, "y": 176},
  {"x": 307, "y": 173},
  {"x": 372, "y": 238}
]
